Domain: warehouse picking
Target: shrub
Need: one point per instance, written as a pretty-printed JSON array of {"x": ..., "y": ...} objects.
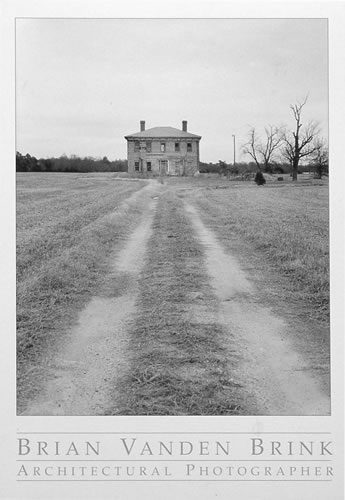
[{"x": 260, "y": 179}]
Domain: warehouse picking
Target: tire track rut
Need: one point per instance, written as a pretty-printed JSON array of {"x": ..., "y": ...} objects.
[
  {"x": 276, "y": 379},
  {"x": 94, "y": 352}
]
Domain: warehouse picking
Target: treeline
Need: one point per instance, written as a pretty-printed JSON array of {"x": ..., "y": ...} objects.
[
  {"x": 245, "y": 167},
  {"x": 73, "y": 163}
]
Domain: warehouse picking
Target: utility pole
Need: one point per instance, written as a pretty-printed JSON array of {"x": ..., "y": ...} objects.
[{"x": 234, "y": 137}]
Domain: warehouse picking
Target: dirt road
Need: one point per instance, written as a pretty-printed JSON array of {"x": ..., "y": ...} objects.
[{"x": 181, "y": 326}]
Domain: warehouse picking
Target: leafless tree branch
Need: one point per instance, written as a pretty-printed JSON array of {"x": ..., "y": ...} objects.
[
  {"x": 251, "y": 147},
  {"x": 263, "y": 152}
]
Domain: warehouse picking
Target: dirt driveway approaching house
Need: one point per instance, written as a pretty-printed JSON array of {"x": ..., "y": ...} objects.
[{"x": 186, "y": 317}]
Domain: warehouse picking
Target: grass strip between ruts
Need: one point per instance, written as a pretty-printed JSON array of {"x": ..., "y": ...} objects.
[{"x": 179, "y": 366}]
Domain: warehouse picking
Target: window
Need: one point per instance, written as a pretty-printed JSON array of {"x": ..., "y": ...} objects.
[
  {"x": 148, "y": 166},
  {"x": 189, "y": 147},
  {"x": 163, "y": 147},
  {"x": 136, "y": 164},
  {"x": 148, "y": 147},
  {"x": 136, "y": 145},
  {"x": 177, "y": 147}
]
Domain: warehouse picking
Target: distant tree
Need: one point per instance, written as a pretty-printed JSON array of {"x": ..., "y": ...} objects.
[
  {"x": 204, "y": 168},
  {"x": 20, "y": 165},
  {"x": 301, "y": 142},
  {"x": 27, "y": 163},
  {"x": 48, "y": 165},
  {"x": 120, "y": 166},
  {"x": 223, "y": 168},
  {"x": 251, "y": 147},
  {"x": 320, "y": 158},
  {"x": 263, "y": 150},
  {"x": 278, "y": 169}
]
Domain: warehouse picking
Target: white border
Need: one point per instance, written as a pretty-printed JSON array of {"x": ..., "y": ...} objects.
[{"x": 335, "y": 11}]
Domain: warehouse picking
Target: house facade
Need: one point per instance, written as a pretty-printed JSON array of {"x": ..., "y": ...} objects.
[{"x": 163, "y": 151}]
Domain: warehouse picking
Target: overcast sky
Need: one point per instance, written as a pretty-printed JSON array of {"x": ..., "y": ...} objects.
[{"x": 84, "y": 84}]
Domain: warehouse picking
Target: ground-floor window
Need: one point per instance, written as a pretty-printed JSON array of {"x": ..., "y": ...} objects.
[
  {"x": 136, "y": 164},
  {"x": 148, "y": 166}
]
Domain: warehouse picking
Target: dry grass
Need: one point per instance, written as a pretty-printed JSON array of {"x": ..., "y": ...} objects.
[
  {"x": 179, "y": 366},
  {"x": 287, "y": 227},
  {"x": 67, "y": 226}
]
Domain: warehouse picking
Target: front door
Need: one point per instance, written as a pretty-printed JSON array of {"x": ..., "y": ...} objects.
[
  {"x": 178, "y": 167},
  {"x": 172, "y": 167},
  {"x": 163, "y": 167}
]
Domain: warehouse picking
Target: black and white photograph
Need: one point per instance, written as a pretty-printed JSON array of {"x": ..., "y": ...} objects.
[
  {"x": 172, "y": 252},
  {"x": 172, "y": 217}
]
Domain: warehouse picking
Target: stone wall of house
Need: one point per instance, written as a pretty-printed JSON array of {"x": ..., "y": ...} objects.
[{"x": 165, "y": 156}]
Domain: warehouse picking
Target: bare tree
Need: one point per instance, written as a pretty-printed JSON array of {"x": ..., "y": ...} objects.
[
  {"x": 301, "y": 143},
  {"x": 263, "y": 152},
  {"x": 273, "y": 141},
  {"x": 251, "y": 147}
]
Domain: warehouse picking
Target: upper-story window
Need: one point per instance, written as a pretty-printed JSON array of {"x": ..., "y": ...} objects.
[
  {"x": 136, "y": 146},
  {"x": 189, "y": 147},
  {"x": 149, "y": 147},
  {"x": 177, "y": 147},
  {"x": 163, "y": 147}
]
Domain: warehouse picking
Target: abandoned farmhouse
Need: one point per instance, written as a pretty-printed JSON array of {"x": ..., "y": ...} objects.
[{"x": 163, "y": 151}]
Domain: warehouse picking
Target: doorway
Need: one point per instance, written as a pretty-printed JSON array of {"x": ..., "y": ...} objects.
[{"x": 163, "y": 167}]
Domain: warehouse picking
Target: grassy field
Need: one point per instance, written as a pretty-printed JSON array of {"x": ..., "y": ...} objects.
[
  {"x": 287, "y": 227},
  {"x": 67, "y": 226}
]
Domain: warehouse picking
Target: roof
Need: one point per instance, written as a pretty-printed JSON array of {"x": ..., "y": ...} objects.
[{"x": 162, "y": 132}]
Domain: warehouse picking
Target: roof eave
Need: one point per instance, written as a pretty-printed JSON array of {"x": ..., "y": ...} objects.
[{"x": 192, "y": 136}]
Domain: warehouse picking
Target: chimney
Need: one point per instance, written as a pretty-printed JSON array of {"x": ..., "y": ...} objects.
[
  {"x": 184, "y": 126},
  {"x": 142, "y": 126}
]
